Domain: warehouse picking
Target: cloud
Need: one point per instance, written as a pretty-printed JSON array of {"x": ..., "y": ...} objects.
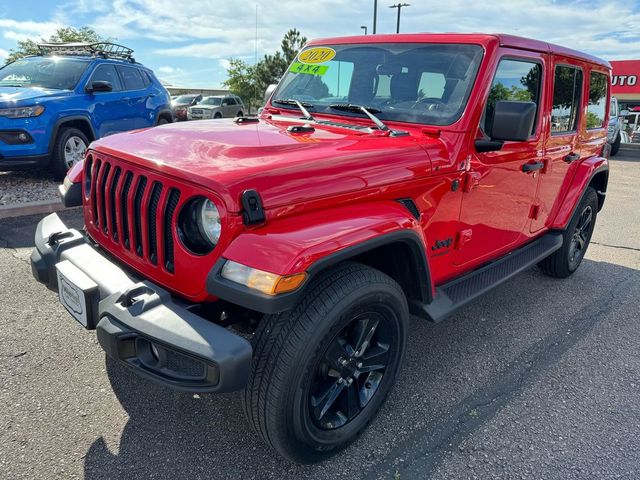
[
  {"x": 19, "y": 30},
  {"x": 3, "y": 54}
]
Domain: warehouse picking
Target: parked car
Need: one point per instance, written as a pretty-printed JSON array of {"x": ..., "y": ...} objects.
[
  {"x": 615, "y": 128},
  {"x": 53, "y": 105},
  {"x": 182, "y": 103},
  {"x": 387, "y": 176},
  {"x": 217, "y": 106}
]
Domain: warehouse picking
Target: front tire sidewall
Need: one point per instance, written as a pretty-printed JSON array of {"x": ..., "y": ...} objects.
[
  {"x": 58, "y": 164},
  {"x": 303, "y": 426}
]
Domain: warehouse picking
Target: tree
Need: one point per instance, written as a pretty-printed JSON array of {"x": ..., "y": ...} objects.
[
  {"x": 65, "y": 34},
  {"x": 250, "y": 82}
]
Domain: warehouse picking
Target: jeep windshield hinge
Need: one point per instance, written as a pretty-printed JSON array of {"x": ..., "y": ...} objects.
[{"x": 252, "y": 211}]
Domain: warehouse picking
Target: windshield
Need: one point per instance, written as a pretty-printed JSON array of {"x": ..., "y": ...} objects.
[
  {"x": 44, "y": 72},
  {"x": 185, "y": 99},
  {"x": 211, "y": 101},
  {"x": 419, "y": 83}
]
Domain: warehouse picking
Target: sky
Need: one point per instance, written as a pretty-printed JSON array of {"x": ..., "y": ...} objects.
[{"x": 189, "y": 43}]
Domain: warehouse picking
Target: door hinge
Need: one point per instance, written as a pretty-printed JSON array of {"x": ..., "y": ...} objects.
[
  {"x": 464, "y": 237},
  {"x": 471, "y": 181}
]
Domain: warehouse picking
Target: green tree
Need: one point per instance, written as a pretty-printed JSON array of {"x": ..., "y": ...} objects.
[
  {"x": 66, "y": 34},
  {"x": 250, "y": 82}
]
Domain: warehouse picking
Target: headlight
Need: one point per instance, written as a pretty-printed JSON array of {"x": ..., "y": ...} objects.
[
  {"x": 199, "y": 225},
  {"x": 22, "y": 112},
  {"x": 265, "y": 282}
]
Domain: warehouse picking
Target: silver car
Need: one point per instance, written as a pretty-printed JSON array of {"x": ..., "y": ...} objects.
[{"x": 217, "y": 106}]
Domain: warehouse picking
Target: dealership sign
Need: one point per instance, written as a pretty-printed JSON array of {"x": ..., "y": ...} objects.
[{"x": 625, "y": 77}]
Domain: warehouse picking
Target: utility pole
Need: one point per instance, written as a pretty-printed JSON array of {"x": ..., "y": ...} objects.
[
  {"x": 375, "y": 15},
  {"x": 399, "y": 7},
  {"x": 364, "y": 27}
]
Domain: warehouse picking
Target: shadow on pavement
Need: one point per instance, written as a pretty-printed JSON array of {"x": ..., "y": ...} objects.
[
  {"x": 176, "y": 435},
  {"x": 18, "y": 232}
]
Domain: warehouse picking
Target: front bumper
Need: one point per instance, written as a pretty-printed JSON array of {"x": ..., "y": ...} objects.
[{"x": 138, "y": 323}]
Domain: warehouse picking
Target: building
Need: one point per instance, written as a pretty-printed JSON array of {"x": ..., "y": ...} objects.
[
  {"x": 173, "y": 90},
  {"x": 625, "y": 85}
]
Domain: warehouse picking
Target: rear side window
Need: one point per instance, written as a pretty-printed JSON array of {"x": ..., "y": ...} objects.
[
  {"x": 567, "y": 86},
  {"x": 231, "y": 101},
  {"x": 515, "y": 80},
  {"x": 131, "y": 78},
  {"x": 597, "y": 100},
  {"x": 107, "y": 73}
]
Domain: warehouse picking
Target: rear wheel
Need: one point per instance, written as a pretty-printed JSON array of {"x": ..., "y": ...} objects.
[
  {"x": 217, "y": 115},
  {"x": 162, "y": 121},
  {"x": 69, "y": 149},
  {"x": 321, "y": 371},
  {"x": 576, "y": 238},
  {"x": 239, "y": 114}
]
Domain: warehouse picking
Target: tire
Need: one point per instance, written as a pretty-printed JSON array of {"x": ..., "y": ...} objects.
[
  {"x": 576, "y": 238},
  {"x": 298, "y": 354},
  {"x": 615, "y": 146},
  {"x": 162, "y": 121},
  {"x": 68, "y": 149},
  {"x": 217, "y": 115},
  {"x": 239, "y": 114}
]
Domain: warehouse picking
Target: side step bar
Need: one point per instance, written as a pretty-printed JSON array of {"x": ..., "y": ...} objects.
[{"x": 460, "y": 291}]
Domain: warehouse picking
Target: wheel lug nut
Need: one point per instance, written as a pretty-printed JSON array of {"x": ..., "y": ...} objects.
[
  {"x": 349, "y": 381},
  {"x": 342, "y": 361},
  {"x": 340, "y": 380},
  {"x": 359, "y": 365}
]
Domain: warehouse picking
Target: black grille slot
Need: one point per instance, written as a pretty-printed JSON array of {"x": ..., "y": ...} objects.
[
  {"x": 156, "y": 190},
  {"x": 123, "y": 209},
  {"x": 103, "y": 196},
  {"x": 167, "y": 234},
  {"x": 114, "y": 202},
  {"x": 137, "y": 214},
  {"x": 94, "y": 183}
]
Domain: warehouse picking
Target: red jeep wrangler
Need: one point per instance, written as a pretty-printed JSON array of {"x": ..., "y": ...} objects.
[{"x": 388, "y": 175}]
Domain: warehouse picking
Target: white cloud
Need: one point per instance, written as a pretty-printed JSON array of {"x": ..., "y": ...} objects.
[
  {"x": 18, "y": 30},
  {"x": 3, "y": 54}
]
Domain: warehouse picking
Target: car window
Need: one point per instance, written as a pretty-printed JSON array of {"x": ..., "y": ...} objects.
[
  {"x": 231, "y": 101},
  {"x": 567, "y": 86},
  {"x": 131, "y": 78},
  {"x": 418, "y": 83},
  {"x": 43, "y": 72},
  {"x": 515, "y": 80},
  {"x": 597, "y": 100},
  {"x": 146, "y": 78},
  {"x": 107, "y": 73}
]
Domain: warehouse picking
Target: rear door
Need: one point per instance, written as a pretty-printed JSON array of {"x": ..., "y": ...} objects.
[
  {"x": 229, "y": 107},
  {"x": 136, "y": 95},
  {"x": 498, "y": 194},
  {"x": 563, "y": 148}
]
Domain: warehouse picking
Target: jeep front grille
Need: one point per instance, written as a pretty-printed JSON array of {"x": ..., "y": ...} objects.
[{"x": 132, "y": 210}]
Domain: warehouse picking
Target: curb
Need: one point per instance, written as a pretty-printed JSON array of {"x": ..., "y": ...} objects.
[{"x": 30, "y": 208}]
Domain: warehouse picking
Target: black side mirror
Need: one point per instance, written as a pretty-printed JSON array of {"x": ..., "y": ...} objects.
[
  {"x": 512, "y": 121},
  {"x": 99, "y": 86}
]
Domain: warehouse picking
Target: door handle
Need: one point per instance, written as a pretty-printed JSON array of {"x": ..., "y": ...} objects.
[
  {"x": 572, "y": 157},
  {"x": 532, "y": 167}
]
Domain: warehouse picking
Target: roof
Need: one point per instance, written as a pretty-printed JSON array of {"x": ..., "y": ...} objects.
[{"x": 504, "y": 40}]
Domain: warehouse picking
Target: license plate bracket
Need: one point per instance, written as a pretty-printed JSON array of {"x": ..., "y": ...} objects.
[{"x": 78, "y": 293}]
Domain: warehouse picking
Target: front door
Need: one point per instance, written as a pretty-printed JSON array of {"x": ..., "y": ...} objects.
[
  {"x": 563, "y": 149},
  {"x": 108, "y": 106},
  {"x": 498, "y": 194}
]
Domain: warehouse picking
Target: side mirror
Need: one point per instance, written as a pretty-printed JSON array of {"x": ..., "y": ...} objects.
[
  {"x": 512, "y": 121},
  {"x": 624, "y": 113},
  {"x": 99, "y": 86},
  {"x": 270, "y": 89}
]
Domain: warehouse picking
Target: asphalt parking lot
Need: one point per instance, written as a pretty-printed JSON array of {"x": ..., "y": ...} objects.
[{"x": 538, "y": 379}]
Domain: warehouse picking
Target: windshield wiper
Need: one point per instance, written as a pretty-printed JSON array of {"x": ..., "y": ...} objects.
[
  {"x": 299, "y": 104},
  {"x": 368, "y": 111}
]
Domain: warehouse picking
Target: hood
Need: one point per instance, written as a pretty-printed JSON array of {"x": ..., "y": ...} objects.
[
  {"x": 284, "y": 168},
  {"x": 11, "y": 95},
  {"x": 206, "y": 107}
]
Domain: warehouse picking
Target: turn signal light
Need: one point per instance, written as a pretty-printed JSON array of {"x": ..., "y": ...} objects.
[{"x": 265, "y": 282}]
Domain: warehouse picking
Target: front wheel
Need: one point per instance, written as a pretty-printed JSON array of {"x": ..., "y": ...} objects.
[
  {"x": 615, "y": 146},
  {"x": 321, "y": 371},
  {"x": 69, "y": 149},
  {"x": 576, "y": 238}
]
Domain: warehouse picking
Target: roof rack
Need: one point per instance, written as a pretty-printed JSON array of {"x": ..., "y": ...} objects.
[{"x": 102, "y": 49}]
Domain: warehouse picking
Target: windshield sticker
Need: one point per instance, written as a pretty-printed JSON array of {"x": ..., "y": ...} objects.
[
  {"x": 298, "y": 67},
  {"x": 317, "y": 55}
]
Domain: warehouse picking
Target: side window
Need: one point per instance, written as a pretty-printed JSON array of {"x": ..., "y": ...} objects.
[
  {"x": 567, "y": 86},
  {"x": 131, "y": 78},
  {"x": 231, "y": 101},
  {"x": 597, "y": 100},
  {"x": 515, "y": 80},
  {"x": 146, "y": 79},
  {"x": 107, "y": 73}
]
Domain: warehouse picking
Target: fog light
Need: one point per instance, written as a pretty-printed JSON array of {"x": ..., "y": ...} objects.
[{"x": 265, "y": 282}]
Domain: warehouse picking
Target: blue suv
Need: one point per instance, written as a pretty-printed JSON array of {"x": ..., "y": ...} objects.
[{"x": 52, "y": 106}]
